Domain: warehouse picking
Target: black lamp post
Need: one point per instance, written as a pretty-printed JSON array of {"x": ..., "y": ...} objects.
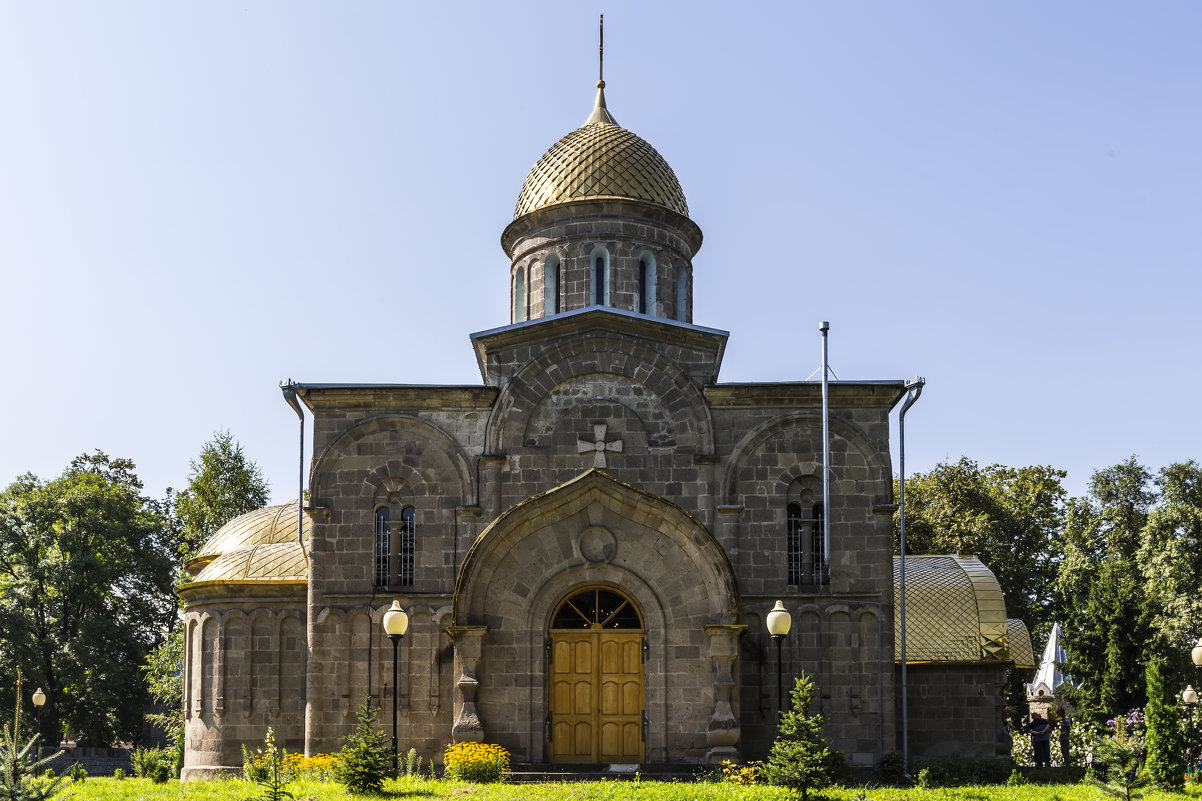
[
  {"x": 779, "y": 624},
  {"x": 396, "y": 623},
  {"x": 1190, "y": 697}
]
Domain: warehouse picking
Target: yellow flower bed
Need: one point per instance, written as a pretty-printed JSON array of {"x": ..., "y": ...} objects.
[
  {"x": 318, "y": 766},
  {"x": 476, "y": 762}
]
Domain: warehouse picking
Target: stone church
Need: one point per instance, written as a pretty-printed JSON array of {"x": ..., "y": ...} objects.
[{"x": 588, "y": 542}]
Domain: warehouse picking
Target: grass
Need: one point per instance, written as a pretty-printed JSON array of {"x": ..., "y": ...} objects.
[{"x": 108, "y": 789}]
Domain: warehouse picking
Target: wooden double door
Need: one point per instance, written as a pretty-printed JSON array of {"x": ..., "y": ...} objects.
[{"x": 597, "y": 680}]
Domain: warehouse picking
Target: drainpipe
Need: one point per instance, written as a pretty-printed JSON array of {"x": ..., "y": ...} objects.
[
  {"x": 824, "y": 326},
  {"x": 289, "y": 388},
  {"x": 913, "y": 390}
]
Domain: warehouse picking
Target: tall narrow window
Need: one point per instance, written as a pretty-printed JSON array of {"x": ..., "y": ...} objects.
[
  {"x": 558, "y": 284},
  {"x": 599, "y": 281},
  {"x": 383, "y": 546},
  {"x": 794, "y": 558},
  {"x": 519, "y": 295},
  {"x": 642, "y": 305},
  {"x": 817, "y": 549},
  {"x": 406, "y": 549},
  {"x": 551, "y": 285},
  {"x": 804, "y": 552}
]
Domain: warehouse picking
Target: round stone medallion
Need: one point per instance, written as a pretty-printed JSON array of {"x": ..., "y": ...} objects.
[{"x": 597, "y": 545}]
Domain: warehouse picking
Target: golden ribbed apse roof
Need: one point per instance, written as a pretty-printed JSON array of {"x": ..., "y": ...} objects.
[
  {"x": 1019, "y": 640},
  {"x": 270, "y": 524},
  {"x": 281, "y": 561},
  {"x": 955, "y": 611},
  {"x": 600, "y": 159}
]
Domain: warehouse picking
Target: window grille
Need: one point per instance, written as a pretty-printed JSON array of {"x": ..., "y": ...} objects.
[
  {"x": 383, "y": 546},
  {"x": 804, "y": 555},
  {"x": 407, "y": 546}
]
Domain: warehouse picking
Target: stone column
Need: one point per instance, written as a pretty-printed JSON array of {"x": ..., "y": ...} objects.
[
  {"x": 469, "y": 641},
  {"x": 722, "y": 734}
]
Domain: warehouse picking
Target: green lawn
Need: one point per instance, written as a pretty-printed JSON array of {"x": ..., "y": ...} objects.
[{"x": 107, "y": 789}]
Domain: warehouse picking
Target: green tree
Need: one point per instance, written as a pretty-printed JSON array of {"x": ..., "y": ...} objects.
[
  {"x": 1170, "y": 562},
  {"x": 1101, "y": 597},
  {"x": 1165, "y": 765},
  {"x": 801, "y": 759},
  {"x": 1010, "y": 518},
  {"x": 86, "y": 570},
  {"x": 365, "y": 760},
  {"x": 1118, "y": 757},
  {"x": 222, "y": 484}
]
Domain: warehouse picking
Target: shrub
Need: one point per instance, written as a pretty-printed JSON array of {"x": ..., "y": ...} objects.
[
  {"x": 955, "y": 770},
  {"x": 319, "y": 767},
  {"x": 740, "y": 774},
  {"x": 365, "y": 760},
  {"x": 119, "y": 774},
  {"x": 801, "y": 758},
  {"x": 479, "y": 763},
  {"x": 152, "y": 763},
  {"x": 49, "y": 774},
  {"x": 891, "y": 771},
  {"x": 78, "y": 773},
  {"x": 254, "y": 767}
]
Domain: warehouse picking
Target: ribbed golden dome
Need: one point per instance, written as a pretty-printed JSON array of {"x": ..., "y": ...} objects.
[
  {"x": 271, "y": 524},
  {"x": 600, "y": 159},
  {"x": 955, "y": 610},
  {"x": 281, "y": 561}
]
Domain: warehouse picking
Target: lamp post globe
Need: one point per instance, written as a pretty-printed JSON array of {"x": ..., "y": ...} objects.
[
  {"x": 396, "y": 623},
  {"x": 1196, "y": 654},
  {"x": 39, "y": 698},
  {"x": 1189, "y": 695},
  {"x": 779, "y": 622}
]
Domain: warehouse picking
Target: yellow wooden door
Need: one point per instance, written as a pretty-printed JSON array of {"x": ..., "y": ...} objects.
[{"x": 596, "y": 696}]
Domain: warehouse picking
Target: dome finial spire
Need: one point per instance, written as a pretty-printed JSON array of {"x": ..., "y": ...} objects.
[
  {"x": 601, "y": 54},
  {"x": 600, "y": 112}
]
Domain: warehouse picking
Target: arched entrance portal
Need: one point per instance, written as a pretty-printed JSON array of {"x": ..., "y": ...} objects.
[{"x": 596, "y": 679}]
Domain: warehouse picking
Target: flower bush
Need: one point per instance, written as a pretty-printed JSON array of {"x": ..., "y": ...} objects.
[
  {"x": 735, "y": 773},
  {"x": 476, "y": 762},
  {"x": 319, "y": 767}
]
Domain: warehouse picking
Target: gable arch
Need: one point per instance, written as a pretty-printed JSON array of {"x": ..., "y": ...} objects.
[
  {"x": 326, "y": 467},
  {"x": 538, "y": 379},
  {"x": 755, "y": 440},
  {"x": 595, "y": 529}
]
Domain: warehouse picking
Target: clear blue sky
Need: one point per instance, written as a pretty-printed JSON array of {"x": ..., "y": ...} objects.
[{"x": 198, "y": 200}]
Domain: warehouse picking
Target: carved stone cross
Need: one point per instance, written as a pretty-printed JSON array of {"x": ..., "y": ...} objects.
[{"x": 599, "y": 446}]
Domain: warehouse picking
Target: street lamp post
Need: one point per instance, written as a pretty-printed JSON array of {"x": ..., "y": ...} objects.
[
  {"x": 779, "y": 623},
  {"x": 396, "y": 623},
  {"x": 39, "y": 702},
  {"x": 1190, "y": 697}
]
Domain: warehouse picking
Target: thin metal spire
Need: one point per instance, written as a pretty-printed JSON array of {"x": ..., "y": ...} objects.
[
  {"x": 601, "y": 56},
  {"x": 600, "y": 112}
]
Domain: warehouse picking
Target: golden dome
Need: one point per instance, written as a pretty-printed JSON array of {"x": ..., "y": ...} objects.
[
  {"x": 955, "y": 611},
  {"x": 601, "y": 159},
  {"x": 281, "y": 561},
  {"x": 271, "y": 524}
]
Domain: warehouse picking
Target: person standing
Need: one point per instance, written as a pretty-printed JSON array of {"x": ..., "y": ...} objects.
[
  {"x": 1041, "y": 740},
  {"x": 1066, "y": 726}
]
